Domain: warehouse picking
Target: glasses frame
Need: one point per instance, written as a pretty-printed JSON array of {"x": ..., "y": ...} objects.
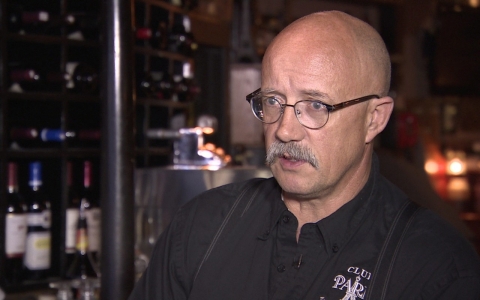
[{"x": 330, "y": 108}]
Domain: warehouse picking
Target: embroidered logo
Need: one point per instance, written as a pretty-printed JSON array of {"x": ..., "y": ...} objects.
[{"x": 354, "y": 289}]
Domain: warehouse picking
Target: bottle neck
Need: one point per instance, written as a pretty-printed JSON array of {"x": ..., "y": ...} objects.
[
  {"x": 35, "y": 187},
  {"x": 12, "y": 185},
  {"x": 87, "y": 174}
]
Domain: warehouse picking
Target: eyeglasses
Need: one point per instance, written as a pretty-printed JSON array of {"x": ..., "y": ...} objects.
[{"x": 312, "y": 114}]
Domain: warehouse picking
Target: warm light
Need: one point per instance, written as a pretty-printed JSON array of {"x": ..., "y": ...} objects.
[
  {"x": 207, "y": 130},
  {"x": 431, "y": 167},
  {"x": 456, "y": 164},
  {"x": 458, "y": 189},
  {"x": 456, "y": 167},
  {"x": 474, "y": 3}
]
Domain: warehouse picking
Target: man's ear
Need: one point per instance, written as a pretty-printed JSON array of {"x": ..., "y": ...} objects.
[{"x": 378, "y": 116}]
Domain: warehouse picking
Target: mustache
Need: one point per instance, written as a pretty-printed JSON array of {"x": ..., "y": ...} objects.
[{"x": 292, "y": 150}]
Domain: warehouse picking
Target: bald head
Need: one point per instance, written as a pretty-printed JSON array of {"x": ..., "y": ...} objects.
[{"x": 345, "y": 47}]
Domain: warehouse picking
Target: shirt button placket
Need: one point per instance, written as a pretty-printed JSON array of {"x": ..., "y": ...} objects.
[{"x": 281, "y": 268}]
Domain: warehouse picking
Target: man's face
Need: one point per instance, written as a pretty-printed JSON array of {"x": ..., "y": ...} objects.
[{"x": 338, "y": 147}]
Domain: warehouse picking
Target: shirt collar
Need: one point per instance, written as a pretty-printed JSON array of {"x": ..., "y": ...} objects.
[{"x": 339, "y": 226}]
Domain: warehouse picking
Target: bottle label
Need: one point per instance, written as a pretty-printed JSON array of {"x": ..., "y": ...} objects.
[
  {"x": 37, "y": 250},
  {"x": 71, "y": 227},
  {"x": 15, "y": 234},
  {"x": 94, "y": 231},
  {"x": 47, "y": 218},
  {"x": 40, "y": 219},
  {"x": 82, "y": 240}
]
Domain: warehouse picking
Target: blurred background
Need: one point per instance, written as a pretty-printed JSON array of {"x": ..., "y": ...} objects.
[{"x": 177, "y": 97}]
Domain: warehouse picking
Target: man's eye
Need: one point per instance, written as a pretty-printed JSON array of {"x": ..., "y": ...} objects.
[
  {"x": 270, "y": 101},
  {"x": 317, "y": 105}
]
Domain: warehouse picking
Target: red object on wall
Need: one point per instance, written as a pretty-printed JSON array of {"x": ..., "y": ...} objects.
[{"x": 407, "y": 130}]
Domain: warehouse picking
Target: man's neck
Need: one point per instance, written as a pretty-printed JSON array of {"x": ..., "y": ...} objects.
[{"x": 315, "y": 209}]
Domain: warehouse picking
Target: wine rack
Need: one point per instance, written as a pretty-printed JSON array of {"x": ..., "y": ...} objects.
[
  {"x": 160, "y": 61},
  {"x": 49, "y": 106}
]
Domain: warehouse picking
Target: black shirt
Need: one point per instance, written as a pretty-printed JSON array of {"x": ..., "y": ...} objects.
[{"x": 238, "y": 242}]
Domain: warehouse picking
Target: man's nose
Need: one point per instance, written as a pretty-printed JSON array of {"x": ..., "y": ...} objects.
[{"x": 289, "y": 128}]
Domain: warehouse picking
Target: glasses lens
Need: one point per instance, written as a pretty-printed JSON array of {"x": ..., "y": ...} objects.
[
  {"x": 266, "y": 109},
  {"x": 311, "y": 114}
]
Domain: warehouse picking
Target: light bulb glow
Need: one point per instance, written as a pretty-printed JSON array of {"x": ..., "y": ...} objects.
[
  {"x": 431, "y": 167},
  {"x": 456, "y": 166}
]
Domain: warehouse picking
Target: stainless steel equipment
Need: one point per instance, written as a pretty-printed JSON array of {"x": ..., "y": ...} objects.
[{"x": 159, "y": 193}]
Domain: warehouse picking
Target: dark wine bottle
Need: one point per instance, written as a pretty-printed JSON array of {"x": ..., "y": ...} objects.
[
  {"x": 24, "y": 79},
  {"x": 190, "y": 44},
  {"x": 146, "y": 87},
  {"x": 165, "y": 87},
  {"x": 38, "y": 242},
  {"x": 83, "y": 78},
  {"x": 24, "y": 133},
  {"x": 82, "y": 26},
  {"x": 93, "y": 213},
  {"x": 177, "y": 36},
  {"x": 71, "y": 216},
  {"x": 15, "y": 228},
  {"x": 82, "y": 265},
  {"x": 89, "y": 134},
  {"x": 23, "y": 137},
  {"x": 156, "y": 38},
  {"x": 27, "y": 22}
]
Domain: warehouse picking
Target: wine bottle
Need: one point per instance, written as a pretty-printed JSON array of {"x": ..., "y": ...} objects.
[
  {"x": 15, "y": 228},
  {"x": 27, "y": 22},
  {"x": 165, "y": 87},
  {"x": 177, "y": 36},
  {"x": 71, "y": 216},
  {"x": 33, "y": 77},
  {"x": 156, "y": 38},
  {"x": 55, "y": 135},
  {"x": 93, "y": 213},
  {"x": 82, "y": 265},
  {"x": 146, "y": 86},
  {"x": 23, "y": 133},
  {"x": 82, "y": 26},
  {"x": 23, "y": 137},
  {"x": 180, "y": 88},
  {"x": 89, "y": 134},
  {"x": 190, "y": 44},
  {"x": 38, "y": 242},
  {"x": 83, "y": 78},
  {"x": 24, "y": 79}
]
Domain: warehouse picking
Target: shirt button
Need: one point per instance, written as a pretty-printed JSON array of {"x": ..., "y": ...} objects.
[
  {"x": 280, "y": 268},
  {"x": 286, "y": 219},
  {"x": 335, "y": 248}
]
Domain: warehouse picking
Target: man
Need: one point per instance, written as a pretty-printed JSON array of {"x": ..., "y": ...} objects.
[{"x": 318, "y": 228}]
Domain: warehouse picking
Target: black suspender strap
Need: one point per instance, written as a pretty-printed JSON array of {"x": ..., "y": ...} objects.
[
  {"x": 383, "y": 268},
  {"x": 248, "y": 194}
]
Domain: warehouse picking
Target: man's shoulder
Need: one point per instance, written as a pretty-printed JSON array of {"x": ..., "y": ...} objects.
[
  {"x": 436, "y": 244},
  {"x": 217, "y": 202}
]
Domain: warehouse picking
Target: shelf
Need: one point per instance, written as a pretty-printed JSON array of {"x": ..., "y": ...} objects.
[
  {"x": 49, "y": 39},
  {"x": 163, "y": 103},
  {"x": 32, "y": 96},
  {"x": 162, "y": 54},
  {"x": 49, "y": 152}
]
